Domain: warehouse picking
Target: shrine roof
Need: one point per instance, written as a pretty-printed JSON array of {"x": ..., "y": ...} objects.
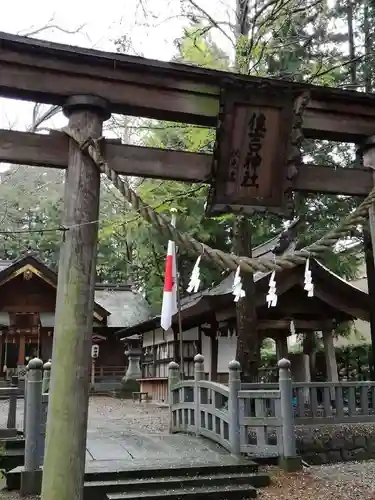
[
  {"x": 116, "y": 306},
  {"x": 127, "y": 307},
  {"x": 344, "y": 300}
]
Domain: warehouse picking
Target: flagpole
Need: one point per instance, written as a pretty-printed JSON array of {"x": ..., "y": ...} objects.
[{"x": 178, "y": 299}]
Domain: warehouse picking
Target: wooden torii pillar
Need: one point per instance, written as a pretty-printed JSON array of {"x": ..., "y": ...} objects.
[
  {"x": 368, "y": 150},
  {"x": 64, "y": 463}
]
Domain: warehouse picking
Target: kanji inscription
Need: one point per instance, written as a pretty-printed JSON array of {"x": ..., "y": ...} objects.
[{"x": 251, "y": 156}]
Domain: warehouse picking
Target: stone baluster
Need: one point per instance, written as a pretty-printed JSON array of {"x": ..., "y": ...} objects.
[
  {"x": 25, "y": 400},
  {"x": 173, "y": 379},
  {"x": 12, "y": 412},
  {"x": 289, "y": 459},
  {"x": 30, "y": 480},
  {"x": 198, "y": 375},
  {"x": 46, "y": 376},
  {"x": 233, "y": 406}
]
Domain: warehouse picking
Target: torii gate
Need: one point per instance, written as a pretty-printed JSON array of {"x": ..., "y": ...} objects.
[{"x": 256, "y": 120}]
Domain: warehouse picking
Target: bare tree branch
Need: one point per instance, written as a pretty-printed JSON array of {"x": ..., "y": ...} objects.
[
  {"x": 50, "y": 25},
  {"x": 211, "y": 20}
]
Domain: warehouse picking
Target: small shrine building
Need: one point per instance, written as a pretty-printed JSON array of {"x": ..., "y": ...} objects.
[{"x": 27, "y": 317}]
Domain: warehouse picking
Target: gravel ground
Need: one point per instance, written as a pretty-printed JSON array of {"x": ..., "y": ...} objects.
[
  {"x": 346, "y": 481},
  {"x": 123, "y": 413},
  {"x": 349, "y": 481}
]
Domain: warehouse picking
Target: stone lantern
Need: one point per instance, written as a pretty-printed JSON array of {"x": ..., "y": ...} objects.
[{"x": 133, "y": 351}]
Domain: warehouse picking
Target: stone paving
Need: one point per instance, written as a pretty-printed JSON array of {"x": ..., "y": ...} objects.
[{"x": 129, "y": 434}]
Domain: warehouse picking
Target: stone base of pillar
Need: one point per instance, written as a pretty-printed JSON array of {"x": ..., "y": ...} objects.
[
  {"x": 290, "y": 464},
  {"x": 31, "y": 482}
]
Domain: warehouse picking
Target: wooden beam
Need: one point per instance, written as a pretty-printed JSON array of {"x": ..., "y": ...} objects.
[
  {"x": 302, "y": 325},
  {"x": 25, "y": 148},
  {"x": 48, "y": 72},
  {"x": 52, "y": 151},
  {"x": 328, "y": 180}
]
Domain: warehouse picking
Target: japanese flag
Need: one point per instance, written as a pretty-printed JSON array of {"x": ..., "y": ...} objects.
[{"x": 169, "y": 307}]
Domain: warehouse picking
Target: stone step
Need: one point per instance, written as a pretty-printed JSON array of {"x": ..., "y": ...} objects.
[
  {"x": 163, "y": 468},
  {"x": 13, "y": 443},
  {"x": 111, "y": 470},
  {"x": 94, "y": 489},
  {"x": 11, "y": 458},
  {"x": 227, "y": 492}
]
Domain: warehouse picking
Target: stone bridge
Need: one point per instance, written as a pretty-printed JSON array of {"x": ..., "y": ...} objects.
[{"x": 210, "y": 437}]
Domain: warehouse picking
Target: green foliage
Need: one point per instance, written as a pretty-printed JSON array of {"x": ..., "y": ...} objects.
[
  {"x": 32, "y": 201},
  {"x": 197, "y": 47}
]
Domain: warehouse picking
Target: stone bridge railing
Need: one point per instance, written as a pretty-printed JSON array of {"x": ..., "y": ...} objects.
[
  {"x": 322, "y": 403},
  {"x": 244, "y": 421}
]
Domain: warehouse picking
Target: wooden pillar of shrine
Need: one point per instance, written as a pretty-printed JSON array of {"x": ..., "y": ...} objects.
[
  {"x": 21, "y": 350},
  {"x": 214, "y": 342},
  {"x": 281, "y": 340},
  {"x": 64, "y": 462},
  {"x": 369, "y": 247},
  {"x": 330, "y": 358}
]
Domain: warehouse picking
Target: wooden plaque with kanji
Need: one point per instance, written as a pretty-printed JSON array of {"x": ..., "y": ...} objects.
[{"x": 251, "y": 152}]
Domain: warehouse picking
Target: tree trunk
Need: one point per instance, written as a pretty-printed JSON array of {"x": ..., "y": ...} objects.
[{"x": 248, "y": 343}]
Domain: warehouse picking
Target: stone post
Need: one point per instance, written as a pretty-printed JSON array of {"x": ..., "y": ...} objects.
[
  {"x": 30, "y": 477},
  {"x": 233, "y": 406},
  {"x": 173, "y": 379},
  {"x": 12, "y": 412},
  {"x": 198, "y": 375},
  {"x": 289, "y": 459},
  {"x": 46, "y": 376}
]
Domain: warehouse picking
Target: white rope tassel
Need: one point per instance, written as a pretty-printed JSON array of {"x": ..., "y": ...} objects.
[
  {"x": 271, "y": 297},
  {"x": 237, "y": 286},
  {"x": 292, "y": 328},
  {"x": 309, "y": 285},
  {"x": 195, "y": 281}
]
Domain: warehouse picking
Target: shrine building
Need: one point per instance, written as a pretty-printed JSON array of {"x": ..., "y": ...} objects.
[
  {"x": 27, "y": 317},
  {"x": 209, "y": 325}
]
